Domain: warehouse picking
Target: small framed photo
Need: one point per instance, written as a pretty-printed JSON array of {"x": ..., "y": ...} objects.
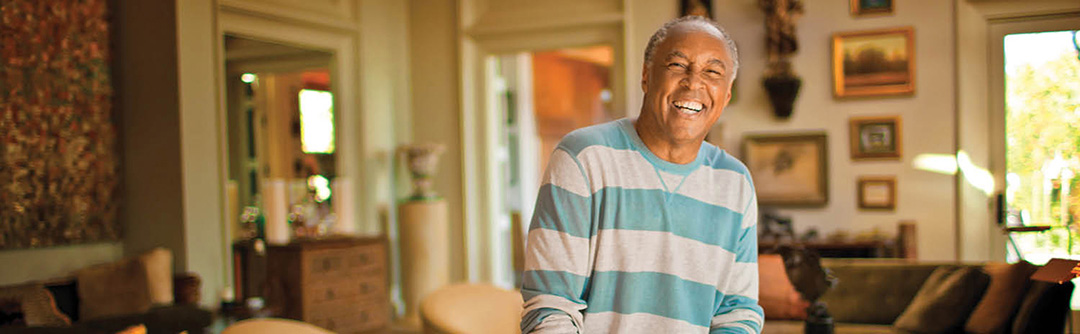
[
  {"x": 874, "y": 63},
  {"x": 789, "y": 169},
  {"x": 877, "y": 192},
  {"x": 876, "y": 138},
  {"x": 871, "y": 7}
]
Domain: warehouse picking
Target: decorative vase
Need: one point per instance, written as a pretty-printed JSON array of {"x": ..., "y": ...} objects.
[
  {"x": 782, "y": 90},
  {"x": 421, "y": 159}
]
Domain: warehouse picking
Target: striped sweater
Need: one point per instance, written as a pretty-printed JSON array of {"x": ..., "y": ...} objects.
[{"x": 625, "y": 242}]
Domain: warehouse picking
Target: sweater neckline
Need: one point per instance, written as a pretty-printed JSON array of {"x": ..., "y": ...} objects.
[{"x": 627, "y": 126}]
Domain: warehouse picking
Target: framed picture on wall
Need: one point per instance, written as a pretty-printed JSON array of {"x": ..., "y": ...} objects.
[
  {"x": 788, "y": 169},
  {"x": 877, "y": 192},
  {"x": 874, "y": 63},
  {"x": 871, "y": 7},
  {"x": 876, "y": 137}
]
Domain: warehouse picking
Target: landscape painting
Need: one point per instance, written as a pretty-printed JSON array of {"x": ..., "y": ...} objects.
[{"x": 872, "y": 63}]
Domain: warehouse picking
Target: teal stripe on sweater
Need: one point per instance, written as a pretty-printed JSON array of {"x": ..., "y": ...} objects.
[
  {"x": 730, "y": 302},
  {"x": 558, "y": 283},
  {"x": 654, "y": 293},
  {"x": 688, "y": 217},
  {"x": 558, "y": 209}
]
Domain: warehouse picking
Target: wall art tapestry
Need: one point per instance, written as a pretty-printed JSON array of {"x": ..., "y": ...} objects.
[{"x": 58, "y": 155}]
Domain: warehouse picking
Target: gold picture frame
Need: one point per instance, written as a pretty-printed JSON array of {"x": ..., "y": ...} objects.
[
  {"x": 874, "y": 62},
  {"x": 877, "y": 137},
  {"x": 789, "y": 169},
  {"x": 877, "y": 193},
  {"x": 871, "y": 7}
]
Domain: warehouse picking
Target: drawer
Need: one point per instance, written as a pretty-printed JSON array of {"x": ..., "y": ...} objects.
[
  {"x": 324, "y": 262},
  {"x": 364, "y": 287},
  {"x": 345, "y": 263},
  {"x": 367, "y": 258}
]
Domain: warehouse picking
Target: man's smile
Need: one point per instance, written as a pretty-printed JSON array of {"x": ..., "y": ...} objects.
[{"x": 688, "y": 107}]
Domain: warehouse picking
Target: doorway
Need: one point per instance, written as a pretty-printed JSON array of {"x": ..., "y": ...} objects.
[
  {"x": 541, "y": 96},
  {"x": 1035, "y": 89}
]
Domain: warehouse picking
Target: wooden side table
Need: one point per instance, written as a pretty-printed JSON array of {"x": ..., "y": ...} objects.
[{"x": 340, "y": 283}]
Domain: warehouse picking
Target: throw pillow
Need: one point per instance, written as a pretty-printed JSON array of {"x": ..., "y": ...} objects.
[
  {"x": 1044, "y": 308},
  {"x": 1008, "y": 283},
  {"x": 944, "y": 301},
  {"x": 777, "y": 295},
  {"x": 116, "y": 288},
  {"x": 30, "y": 305},
  {"x": 159, "y": 274}
]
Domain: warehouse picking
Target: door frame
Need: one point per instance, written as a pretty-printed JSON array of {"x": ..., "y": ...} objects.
[
  {"x": 978, "y": 237},
  {"x": 483, "y": 200}
]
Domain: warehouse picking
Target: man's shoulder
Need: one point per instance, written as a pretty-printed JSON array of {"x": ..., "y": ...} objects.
[
  {"x": 717, "y": 158},
  {"x": 607, "y": 134}
]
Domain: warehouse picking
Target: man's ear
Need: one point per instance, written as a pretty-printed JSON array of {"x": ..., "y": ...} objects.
[
  {"x": 730, "y": 86},
  {"x": 645, "y": 78},
  {"x": 727, "y": 99}
]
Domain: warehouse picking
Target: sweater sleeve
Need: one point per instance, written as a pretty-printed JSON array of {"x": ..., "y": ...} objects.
[
  {"x": 739, "y": 312},
  {"x": 557, "y": 250}
]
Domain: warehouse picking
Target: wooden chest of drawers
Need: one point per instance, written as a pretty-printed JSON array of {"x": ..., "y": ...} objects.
[{"x": 340, "y": 284}]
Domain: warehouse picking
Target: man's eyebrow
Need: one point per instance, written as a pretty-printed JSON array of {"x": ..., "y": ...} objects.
[
  {"x": 676, "y": 54},
  {"x": 715, "y": 61}
]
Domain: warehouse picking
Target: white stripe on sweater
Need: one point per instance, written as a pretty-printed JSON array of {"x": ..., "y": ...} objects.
[
  {"x": 663, "y": 252},
  {"x": 742, "y": 280},
  {"x": 611, "y": 322},
  {"x": 628, "y": 169},
  {"x": 557, "y": 251},
  {"x": 564, "y": 173}
]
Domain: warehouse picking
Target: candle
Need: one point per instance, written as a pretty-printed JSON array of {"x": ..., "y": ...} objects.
[
  {"x": 344, "y": 207},
  {"x": 276, "y": 207}
]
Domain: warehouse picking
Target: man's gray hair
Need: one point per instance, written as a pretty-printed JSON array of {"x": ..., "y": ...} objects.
[{"x": 660, "y": 34}]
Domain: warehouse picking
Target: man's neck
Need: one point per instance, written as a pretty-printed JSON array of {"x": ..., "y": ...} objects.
[{"x": 664, "y": 148}]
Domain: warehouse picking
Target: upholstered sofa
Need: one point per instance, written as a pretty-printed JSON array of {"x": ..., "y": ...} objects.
[
  {"x": 108, "y": 298},
  {"x": 885, "y": 296}
]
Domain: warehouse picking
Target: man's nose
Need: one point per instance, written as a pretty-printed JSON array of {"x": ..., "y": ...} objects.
[{"x": 692, "y": 80}]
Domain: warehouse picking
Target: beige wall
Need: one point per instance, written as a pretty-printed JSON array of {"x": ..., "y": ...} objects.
[
  {"x": 37, "y": 264},
  {"x": 928, "y": 116},
  {"x": 433, "y": 44},
  {"x": 146, "y": 88}
]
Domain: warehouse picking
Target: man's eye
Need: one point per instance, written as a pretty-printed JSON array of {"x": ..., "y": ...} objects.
[
  {"x": 714, "y": 73},
  {"x": 678, "y": 65}
]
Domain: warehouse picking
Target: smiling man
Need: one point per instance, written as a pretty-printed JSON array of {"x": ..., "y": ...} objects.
[{"x": 641, "y": 226}]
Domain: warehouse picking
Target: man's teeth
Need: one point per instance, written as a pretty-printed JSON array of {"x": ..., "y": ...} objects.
[{"x": 689, "y": 106}]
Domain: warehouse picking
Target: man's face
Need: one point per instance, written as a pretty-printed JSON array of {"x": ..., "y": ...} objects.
[{"x": 687, "y": 83}]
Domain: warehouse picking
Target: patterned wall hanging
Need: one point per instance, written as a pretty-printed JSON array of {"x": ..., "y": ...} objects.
[{"x": 58, "y": 154}]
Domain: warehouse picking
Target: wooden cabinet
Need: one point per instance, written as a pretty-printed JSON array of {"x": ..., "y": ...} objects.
[{"x": 340, "y": 284}]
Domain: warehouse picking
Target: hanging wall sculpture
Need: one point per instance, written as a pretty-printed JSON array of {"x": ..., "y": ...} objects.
[
  {"x": 781, "y": 82},
  {"x": 58, "y": 155}
]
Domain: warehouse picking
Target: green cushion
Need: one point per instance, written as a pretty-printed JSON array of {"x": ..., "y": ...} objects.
[
  {"x": 945, "y": 300},
  {"x": 889, "y": 287}
]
